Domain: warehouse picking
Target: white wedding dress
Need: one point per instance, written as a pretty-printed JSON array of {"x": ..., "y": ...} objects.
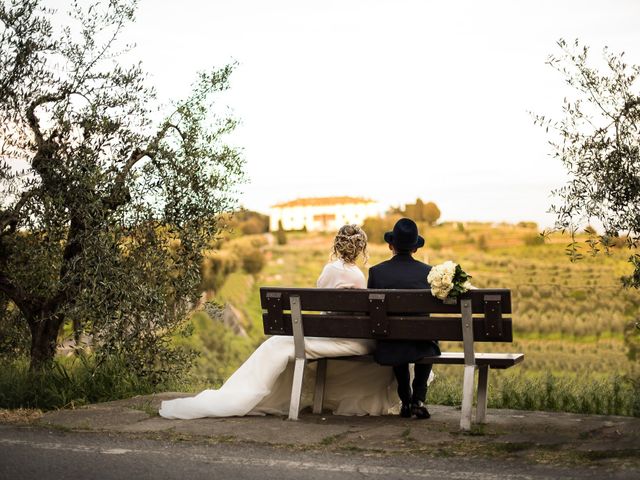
[{"x": 262, "y": 384}]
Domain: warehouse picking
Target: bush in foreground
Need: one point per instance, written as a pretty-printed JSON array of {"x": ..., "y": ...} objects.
[{"x": 71, "y": 382}]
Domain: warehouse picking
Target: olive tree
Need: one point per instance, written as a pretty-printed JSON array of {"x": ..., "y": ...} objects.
[
  {"x": 106, "y": 204},
  {"x": 598, "y": 142}
]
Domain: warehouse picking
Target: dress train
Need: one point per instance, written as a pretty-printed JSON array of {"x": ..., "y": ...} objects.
[{"x": 262, "y": 384}]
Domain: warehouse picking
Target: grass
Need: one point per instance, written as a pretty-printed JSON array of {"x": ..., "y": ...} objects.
[
  {"x": 148, "y": 408},
  {"x": 70, "y": 384},
  {"x": 606, "y": 395}
]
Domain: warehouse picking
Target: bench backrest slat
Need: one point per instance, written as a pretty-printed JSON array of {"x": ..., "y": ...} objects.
[
  {"x": 400, "y": 328},
  {"x": 401, "y": 301}
]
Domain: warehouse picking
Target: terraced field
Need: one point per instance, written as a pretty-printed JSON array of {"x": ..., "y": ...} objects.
[{"x": 569, "y": 318}]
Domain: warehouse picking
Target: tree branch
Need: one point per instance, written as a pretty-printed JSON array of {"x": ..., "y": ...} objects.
[
  {"x": 117, "y": 195},
  {"x": 9, "y": 217},
  {"x": 67, "y": 290},
  {"x": 31, "y": 115}
]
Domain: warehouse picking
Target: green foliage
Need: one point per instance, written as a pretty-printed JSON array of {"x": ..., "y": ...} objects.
[
  {"x": 71, "y": 382},
  {"x": 14, "y": 334},
  {"x": 220, "y": 351},
  {"x": 253, "y": 261},
  {"x": 610, "y": 395},
  {"x": 252, "y": 223},
  {"x": 632, "y": 340},
  {"x": 106, "y": 227},
  {"x": 460, "y": 277},
  {"x": 597, "y": 141},
  {"x": 217, "y": 265},
  {"x": 245, "y": 222},
  {"x": 241, "y": 252},
  {"x": 249, "y": 250}
]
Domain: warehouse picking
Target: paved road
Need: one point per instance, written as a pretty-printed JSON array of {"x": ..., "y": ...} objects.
[{"x": 37, "y": 453}]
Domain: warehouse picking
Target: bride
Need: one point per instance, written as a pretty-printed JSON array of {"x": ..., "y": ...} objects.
[{"x": 262, "y": 384}]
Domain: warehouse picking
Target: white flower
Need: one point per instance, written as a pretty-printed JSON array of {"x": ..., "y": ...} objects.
[{"x": 441, "y": 279}]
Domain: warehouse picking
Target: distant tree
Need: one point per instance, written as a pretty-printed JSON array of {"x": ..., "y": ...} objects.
[
  {"x": 416, "y": 211},
  {"x": 422, "y": 212},
  {"x": 281, "y": 235},
  {"x": 106, "y": 206},
  {"x": 430, "y": 213},
  {"x": 598, "y": 141},
  {"x": 249, "y": 222}
]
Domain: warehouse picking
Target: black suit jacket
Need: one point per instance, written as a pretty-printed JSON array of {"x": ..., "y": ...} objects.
[{"x": 401, "y": 271}]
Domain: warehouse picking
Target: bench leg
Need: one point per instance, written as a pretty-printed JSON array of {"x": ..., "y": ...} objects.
[
  {"x": 467, "y": 397},
  {"x": 318, "y": 394},
  {"x": 483, "y": 379},
  {"x": 296, "y": 388}
]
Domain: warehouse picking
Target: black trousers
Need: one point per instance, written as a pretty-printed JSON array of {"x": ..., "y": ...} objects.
[{"x": 421, "y": 375}]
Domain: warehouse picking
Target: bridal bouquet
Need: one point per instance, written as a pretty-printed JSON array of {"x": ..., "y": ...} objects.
[{"x": 448, "y": 280}]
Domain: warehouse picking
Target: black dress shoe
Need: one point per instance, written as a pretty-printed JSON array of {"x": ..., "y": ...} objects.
[
  {"x": 405, "y": 410},
  {"x": 419, "y": 409}
]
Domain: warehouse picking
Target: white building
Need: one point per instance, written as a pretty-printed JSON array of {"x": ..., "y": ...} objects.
[{"x": 323, "y": 214}]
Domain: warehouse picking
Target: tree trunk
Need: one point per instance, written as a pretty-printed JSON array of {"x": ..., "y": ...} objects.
[{"x": 44, "y": 340}]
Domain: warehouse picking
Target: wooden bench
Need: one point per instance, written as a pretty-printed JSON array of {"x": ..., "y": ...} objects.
[{"x": 394, "y": 314}]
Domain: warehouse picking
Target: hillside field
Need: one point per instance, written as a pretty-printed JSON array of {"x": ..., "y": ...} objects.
[{"x": 569, "y": 318}]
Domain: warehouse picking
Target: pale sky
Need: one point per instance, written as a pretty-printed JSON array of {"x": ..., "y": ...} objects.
[{"x": 389, "y": 100}]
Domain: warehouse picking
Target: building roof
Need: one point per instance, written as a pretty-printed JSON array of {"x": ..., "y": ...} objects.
[{"x": 323, "y": 201}]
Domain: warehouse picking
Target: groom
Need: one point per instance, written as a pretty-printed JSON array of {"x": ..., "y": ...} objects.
[{"x": 403, "y": 271}]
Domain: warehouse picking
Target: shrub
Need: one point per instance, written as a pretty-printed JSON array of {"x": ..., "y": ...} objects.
[
  {"x": 253, "y": 261},
  {"x": 216, "y": 266},
  {"x": 253, "y": 225},
  {"x": 533, "y": 240}
]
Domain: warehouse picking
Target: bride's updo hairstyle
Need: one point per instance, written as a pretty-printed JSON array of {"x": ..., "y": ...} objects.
[{"x": 350, "y": 242}]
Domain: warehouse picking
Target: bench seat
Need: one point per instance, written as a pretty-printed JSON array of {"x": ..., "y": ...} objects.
[{"x": 494, "y": 360}]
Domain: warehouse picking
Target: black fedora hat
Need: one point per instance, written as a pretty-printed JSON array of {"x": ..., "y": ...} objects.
[{"x": 404, "y": 235}]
